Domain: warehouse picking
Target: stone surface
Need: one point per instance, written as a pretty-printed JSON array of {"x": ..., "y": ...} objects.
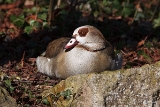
[
  {"x": 6, "y": 100},
  {"x": 138, "y": 87}
]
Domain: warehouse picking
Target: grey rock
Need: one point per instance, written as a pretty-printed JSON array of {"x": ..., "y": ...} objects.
[
  {"x": 135, "y": 87},
  {"x": 6, "y": 100}
]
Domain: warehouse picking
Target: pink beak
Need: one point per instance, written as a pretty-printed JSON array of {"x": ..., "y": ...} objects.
[{"x": 71, "y": 44}]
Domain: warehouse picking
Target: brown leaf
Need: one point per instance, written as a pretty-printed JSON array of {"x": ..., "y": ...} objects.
[
  {"x": 142, "y": 42},
  {"x": 141, "y": 58}
]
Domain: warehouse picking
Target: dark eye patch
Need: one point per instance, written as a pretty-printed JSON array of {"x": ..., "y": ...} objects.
[{"x": 83, "y": 32}]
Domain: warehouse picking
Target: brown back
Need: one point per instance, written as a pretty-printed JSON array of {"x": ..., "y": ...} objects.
[{"x": 56, "y": 46}]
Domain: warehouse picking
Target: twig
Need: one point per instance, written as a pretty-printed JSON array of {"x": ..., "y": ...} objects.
[
  {"x": 36, "y": 10},
  {"x": 58, "y": 3},
  {"x": 123, "y": 52},
  {"x": 155, "y": 10},
  {"x": 50, "y": 12},
  {"x": 22, "y": 60}
]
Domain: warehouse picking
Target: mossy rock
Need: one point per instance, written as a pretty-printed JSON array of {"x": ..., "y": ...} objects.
[
  {"x": 131, "y": 87},
  {"x": 5, "y": 99}
]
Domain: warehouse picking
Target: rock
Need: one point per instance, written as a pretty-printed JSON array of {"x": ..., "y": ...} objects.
[
  {"x": 6, "y": 100},
  {"x": 138, "y": 87}
]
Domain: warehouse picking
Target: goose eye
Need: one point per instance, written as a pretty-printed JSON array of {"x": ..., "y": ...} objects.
[{"x": 70, "y": 41}]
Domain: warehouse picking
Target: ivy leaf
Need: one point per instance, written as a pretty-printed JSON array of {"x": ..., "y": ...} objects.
[
  {"x": 106, "y": 2},
  {"x": 11, "y": 88},
  {"x": 139, "y": 15},
  {"x": 156, "y": 22},
  {"x": 45, "y": 24},
  {"x": 28, "y": 29},
  {"x": 116, "y": 3},
  {"x": 31, "y": 22},
  {"x": 17, "y": 20},
  {"x": 42, "y": 16},
  {"x": 7, "y": 83},
  {"x": 127, "y": 11},
  {"x": 37, "y": 25}
]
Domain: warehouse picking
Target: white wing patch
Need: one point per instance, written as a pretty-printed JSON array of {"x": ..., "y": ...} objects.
[{"x": 48, "y": 59}]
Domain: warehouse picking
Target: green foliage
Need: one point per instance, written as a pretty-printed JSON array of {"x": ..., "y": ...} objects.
[
  {"x": 42, "y": 16},
  {"x": 7, "y": 1},
  {"x": 28, "y": 29},
  {"x": 39, "y": 22},
  {"x": 139, "y": 15},
  {"x": 148, "y": 59},
  {"x": 148, "y": 44},
  {"x": 128, "y": 9},
  {"x": 30, "y": 11},
  {"x": 17, "y": 20},
  {"x": 65, "y": 17},
  {"x": 35, "y": 24},
  {"x": 31, "y": 95},
  {"x": 156, "y": 22},
  {"x": 45, "y": 101},
  {"x": 155, "y": 42},
  {"x": 128, "y": 65},
  {"x": 8, "y": 85},
  {"x": 66, "y": 94}
]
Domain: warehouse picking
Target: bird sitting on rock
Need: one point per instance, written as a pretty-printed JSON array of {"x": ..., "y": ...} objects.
[{"x": 88, "y": 51}]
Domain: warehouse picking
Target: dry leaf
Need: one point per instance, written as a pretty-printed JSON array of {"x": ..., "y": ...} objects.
[{"x": 142, "y": 42}]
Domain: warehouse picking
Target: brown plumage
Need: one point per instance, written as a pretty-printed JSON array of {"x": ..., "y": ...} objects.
[
  {"x": 56, "y": 46},
  {"x": 88, "y": 51}
]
